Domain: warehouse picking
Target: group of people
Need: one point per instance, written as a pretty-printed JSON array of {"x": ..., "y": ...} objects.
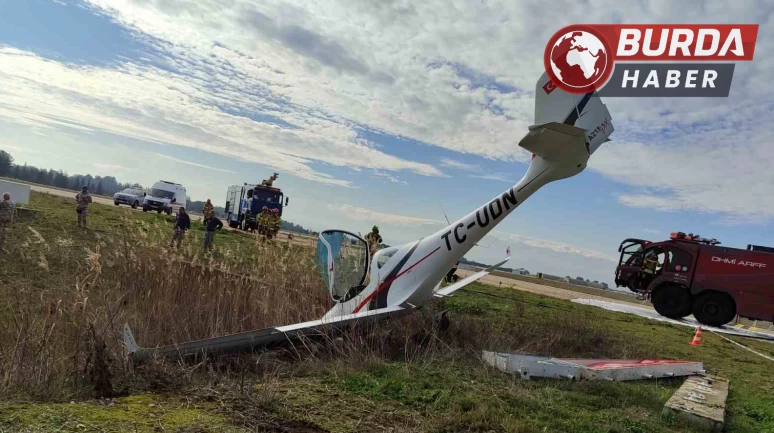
[
  {"x": 183, "y": 223},
  {"x": 269, "y": 223}
]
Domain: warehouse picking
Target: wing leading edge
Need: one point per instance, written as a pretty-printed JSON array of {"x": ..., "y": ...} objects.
[
  {"x": 448, "y": 290},
  {"x": 245, "y": 341}
]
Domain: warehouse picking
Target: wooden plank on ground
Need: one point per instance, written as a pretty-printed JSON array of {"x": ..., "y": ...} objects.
[{"x": 700, "y": 401}]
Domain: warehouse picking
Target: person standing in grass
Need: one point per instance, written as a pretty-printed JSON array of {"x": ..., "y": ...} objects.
[
  {"x": 263, "y": 221},
  {"x": 83, "y": 199},
  {"x": 182, "y": 224},
  {"x": 7, "y": 214},
  {"x": 211, "y": 224},
  {"x": 275, "y": 222}
]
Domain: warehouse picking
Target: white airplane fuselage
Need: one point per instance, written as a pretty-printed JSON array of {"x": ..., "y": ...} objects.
[{"x": 409, "y": 273}]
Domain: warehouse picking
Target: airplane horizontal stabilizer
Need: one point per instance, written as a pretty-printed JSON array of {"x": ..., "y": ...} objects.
[
  {"x": 446, "y": 291},
  {"x": 553, "y": 141}
]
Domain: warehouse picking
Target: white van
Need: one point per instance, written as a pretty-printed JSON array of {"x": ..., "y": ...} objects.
[{"x": 165, "y": 197}]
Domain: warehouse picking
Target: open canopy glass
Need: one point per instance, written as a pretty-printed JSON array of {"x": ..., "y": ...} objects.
[{"x": 343, "y": 261}]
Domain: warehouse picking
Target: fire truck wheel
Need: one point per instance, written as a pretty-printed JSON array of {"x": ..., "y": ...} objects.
[
  {"x": 671, "y": 300},
  {"x": 714, "y": 309}
]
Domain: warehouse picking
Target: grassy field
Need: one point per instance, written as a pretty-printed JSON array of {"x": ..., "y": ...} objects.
[{"x": 65, "y": 293}]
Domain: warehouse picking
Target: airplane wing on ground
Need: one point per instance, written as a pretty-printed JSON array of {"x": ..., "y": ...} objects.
[
  {"x": 448, "y": 290},
  {"x": 244, "y": 341}
]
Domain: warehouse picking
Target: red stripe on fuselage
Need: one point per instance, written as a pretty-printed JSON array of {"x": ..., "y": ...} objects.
[{"x": 387, "y": 283}]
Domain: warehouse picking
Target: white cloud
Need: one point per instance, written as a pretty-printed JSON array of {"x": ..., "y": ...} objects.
[
  {"x": 721, "y": 170},
  {"x": 158, "y": 106},
  {"x": 740, "y": 220},
  {"x": 560, "y": 247},
  {"x": 347, "y": 59},
  {"x": 193, "y": 164},
  {"x": 388, "y": 177},
  {"x": 12, "y": 148},
  {"x": 497, "y": 236},
  {"x": 502, "y": 177},
  {"x": 363, "y": 214},
  {"x": 451, "y": 163},
  {"x": 651, "y": 202},
  {"x": 111, "y": 167}
]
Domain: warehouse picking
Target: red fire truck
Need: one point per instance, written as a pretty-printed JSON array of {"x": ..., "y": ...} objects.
[{"x": 694, "y": 275}]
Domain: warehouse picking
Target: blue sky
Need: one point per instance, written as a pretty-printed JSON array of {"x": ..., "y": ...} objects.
[{"x": 374, "y": 112}]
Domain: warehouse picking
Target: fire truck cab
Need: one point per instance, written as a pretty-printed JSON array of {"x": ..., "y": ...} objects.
[{"x": 689, "y": 274}]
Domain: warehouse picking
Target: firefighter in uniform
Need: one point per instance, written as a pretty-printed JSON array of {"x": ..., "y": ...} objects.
[
  {"x": 263, "y": 221},
  {"x": 274, "y": 223},
  {"x": 374, "y": 239},
  {"x": 649, "y": 266},
  {"x": 650, "y": 263}
]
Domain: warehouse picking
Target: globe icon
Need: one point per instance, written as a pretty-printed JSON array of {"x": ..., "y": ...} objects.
[{"x": 579, "y": 59}]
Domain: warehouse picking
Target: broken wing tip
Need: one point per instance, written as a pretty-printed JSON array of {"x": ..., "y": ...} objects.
[{"x": 129, "y": 341}]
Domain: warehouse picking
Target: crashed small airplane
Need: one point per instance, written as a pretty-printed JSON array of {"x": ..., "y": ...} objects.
[{"x": 568, "y": 130}]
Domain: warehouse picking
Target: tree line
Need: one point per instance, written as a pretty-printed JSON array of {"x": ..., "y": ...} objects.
[{"x": 98, "y": 185}]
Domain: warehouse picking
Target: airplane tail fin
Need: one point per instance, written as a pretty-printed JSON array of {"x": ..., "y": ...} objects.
[{"x": 568, "y": 128}]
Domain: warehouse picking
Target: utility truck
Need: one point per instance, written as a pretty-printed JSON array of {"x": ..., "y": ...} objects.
[
  {"x": 694, "y": 275},
  {"x": 245, "y": 202}
]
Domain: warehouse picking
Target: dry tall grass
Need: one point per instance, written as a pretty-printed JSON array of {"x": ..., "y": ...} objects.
[
  {"x": 61, "y": 336},
  {"x": 46, "y": 346}
]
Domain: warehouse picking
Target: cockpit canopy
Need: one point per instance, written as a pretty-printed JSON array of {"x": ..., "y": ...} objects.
[{"x": 343, "y": 260}]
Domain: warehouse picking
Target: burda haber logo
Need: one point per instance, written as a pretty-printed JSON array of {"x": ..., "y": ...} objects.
[{"x": 648, "y": 60}]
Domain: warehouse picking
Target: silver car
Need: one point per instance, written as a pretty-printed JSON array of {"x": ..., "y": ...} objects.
[{"x": 130, "y": 196}]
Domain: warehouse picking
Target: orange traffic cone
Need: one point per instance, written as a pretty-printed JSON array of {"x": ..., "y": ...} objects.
[{"x": 697, "y": 337}]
